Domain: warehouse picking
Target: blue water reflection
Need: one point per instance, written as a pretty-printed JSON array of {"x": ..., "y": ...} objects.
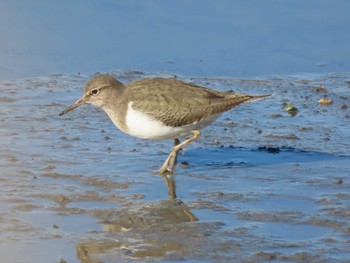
[{"x": 201, "y": 37}]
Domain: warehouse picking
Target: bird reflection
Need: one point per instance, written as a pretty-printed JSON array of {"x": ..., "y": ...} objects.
[
  {"x": 170, "y": 183},
  {"x": 141, "y": 230},
  {"x": 143, "y": 223}
]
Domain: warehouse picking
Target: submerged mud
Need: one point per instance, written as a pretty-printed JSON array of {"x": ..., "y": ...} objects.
[{"x": 268, "y": 181}]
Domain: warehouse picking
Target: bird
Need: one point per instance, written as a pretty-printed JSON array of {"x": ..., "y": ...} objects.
[{"x": 160, "y": 108}]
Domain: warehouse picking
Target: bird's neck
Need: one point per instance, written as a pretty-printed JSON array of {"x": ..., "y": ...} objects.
[{"x": 116, "y": 108}]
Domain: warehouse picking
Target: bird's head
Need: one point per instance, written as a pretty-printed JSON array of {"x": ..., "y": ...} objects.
[{"x": 98, "y": 91}]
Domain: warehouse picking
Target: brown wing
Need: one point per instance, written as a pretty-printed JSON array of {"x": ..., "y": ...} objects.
[{"x": 178, "y": 103}]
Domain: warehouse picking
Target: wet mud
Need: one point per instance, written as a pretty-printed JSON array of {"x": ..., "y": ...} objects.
[{"x": 267, "y": 182}]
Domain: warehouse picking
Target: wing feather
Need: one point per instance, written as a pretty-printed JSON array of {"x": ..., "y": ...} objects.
[{"x": 178, "y": 103}]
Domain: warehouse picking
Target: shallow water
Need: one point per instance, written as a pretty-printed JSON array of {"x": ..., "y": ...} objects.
[
  {"x": 198, "y": 37},
  {"x": 260, "y": 185}
]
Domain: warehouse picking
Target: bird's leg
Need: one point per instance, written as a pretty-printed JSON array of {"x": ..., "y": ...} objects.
[
  {"x": 179, "y": 147},
  {"x": 176, "y": 142},
  {"x": 196, "y": 134},
  {"x": 169, "y": 164},
  {"x": 164, "y": 169},
  {"x": 173, "y": 160}
]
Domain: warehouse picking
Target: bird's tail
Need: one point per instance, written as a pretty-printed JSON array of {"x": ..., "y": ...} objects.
[{"x": 259, "y": 97}]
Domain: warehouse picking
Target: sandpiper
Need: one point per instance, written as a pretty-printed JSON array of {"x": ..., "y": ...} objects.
[{"x": 159, "y": 108}]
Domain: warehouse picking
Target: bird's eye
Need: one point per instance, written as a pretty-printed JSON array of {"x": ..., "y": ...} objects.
[{"x": 94, "y": 92}]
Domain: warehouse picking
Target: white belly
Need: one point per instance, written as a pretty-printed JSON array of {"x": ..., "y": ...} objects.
[{"x": 143, "y": 126}]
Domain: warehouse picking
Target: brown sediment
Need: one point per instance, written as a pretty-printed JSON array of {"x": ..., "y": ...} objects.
[{"x": 82, "y": 186}]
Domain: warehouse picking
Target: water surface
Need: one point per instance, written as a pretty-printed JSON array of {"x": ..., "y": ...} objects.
[{"x": 260, "y": 185}]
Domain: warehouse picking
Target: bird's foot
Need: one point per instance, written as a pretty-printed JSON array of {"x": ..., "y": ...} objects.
[
  {"x": 162, "y": 171},
  {"x": 169, "y": 164}
]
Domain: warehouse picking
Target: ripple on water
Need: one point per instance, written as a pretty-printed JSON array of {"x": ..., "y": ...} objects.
[{"x": 291, "y": 232}]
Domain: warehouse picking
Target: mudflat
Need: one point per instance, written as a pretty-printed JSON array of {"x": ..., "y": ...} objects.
[{"x": 268, "y": 181}]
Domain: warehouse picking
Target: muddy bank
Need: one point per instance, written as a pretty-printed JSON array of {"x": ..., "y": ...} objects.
[{"x": 269, "y": 181}]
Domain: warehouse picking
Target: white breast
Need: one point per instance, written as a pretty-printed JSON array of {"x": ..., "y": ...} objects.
[{"x": 143, "y": 126}]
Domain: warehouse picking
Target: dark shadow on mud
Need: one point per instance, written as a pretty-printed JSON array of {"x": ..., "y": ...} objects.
[{"x": 226, "y": 157}]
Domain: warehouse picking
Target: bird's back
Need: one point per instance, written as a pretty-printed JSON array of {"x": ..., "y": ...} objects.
[{"x": 178, "y": 103}]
